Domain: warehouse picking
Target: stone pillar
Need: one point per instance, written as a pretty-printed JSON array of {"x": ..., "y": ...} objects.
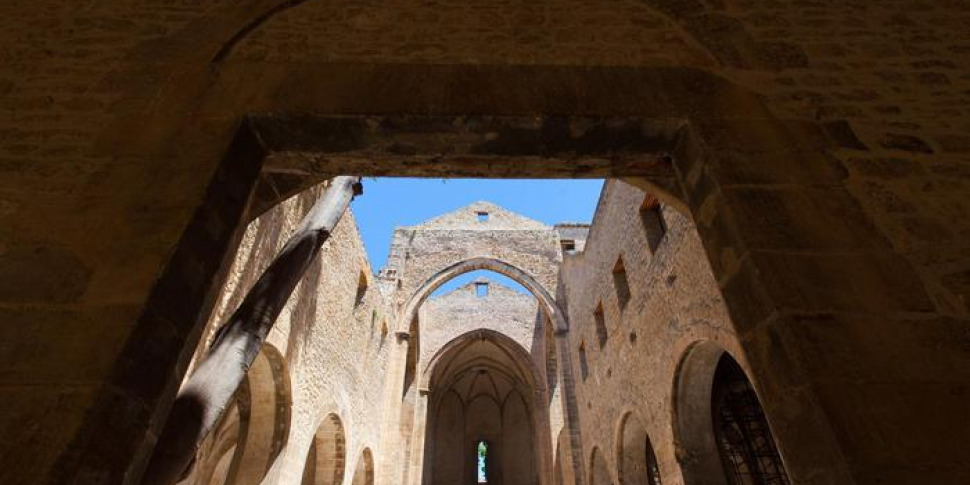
[
  {"x": 854, "y": 366},
  {"x": 418, "y": 438},
  {"x": 543, "y": 436},
  {"x": 572, "y": 459},
  {"x": 390, "y": 460}
]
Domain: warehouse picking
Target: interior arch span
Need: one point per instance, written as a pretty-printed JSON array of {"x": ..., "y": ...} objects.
[
  {"x": 546, "y": 302},
  {"x": 439, "y": 364},
  {"x": 482, "y": 389}
]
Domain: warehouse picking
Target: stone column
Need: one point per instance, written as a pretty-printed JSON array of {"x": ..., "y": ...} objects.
[
  {"x": 573, "y": 459},
  {"x": 420, "y": 430},
  {"x": 389, "y": 457}
]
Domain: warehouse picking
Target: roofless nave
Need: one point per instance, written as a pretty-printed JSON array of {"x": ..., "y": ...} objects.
[{"x": 368, "y": 379}]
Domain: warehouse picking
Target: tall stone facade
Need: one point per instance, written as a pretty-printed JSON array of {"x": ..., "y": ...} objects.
[{"x": 416, "y": 392}]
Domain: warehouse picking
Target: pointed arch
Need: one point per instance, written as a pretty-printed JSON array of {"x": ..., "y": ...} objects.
[
  {"x": 546, "y": 302},
  {"x": 327, "y": 456},
  {"x": 512, "y": 349},
  {"x": 635, "y": 456},
  {"x": 364, "y": 471}
]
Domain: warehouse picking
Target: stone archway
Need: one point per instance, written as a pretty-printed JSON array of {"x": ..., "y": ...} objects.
[
  {"x": 745, "y": 441},
  {"x": 220, "y": 454},
  {"x": 599, "y": 471},
  {"x": 364, "y": 471},
  {"x": 327, "y": 455},
  {"x": 719, "y": 423},
  {"x": 636, "y": 460},
  {"x": 546, "y": 302},
  {"x": 482, "y": 388},
  {"x": 403, "y": 360},
  {"x": 693, "y": 422},
  {"x": 256, "y": 427},
  {"x": 268, "y": 417}
]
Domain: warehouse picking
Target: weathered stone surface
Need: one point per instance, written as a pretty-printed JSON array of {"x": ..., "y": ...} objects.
[{"x": 116, "y": 121}]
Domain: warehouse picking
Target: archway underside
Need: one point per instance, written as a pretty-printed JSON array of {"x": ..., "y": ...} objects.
[
  {"x": 481, "y": 396},
  {"x": 546, "y": 302}
]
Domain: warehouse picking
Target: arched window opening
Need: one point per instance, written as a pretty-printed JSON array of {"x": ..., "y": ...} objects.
[
  {"x": 747, "y": 448},
  {"x": 481, "y": 452},
  {"x": 326, "y": 457},
  {"x": 364, "y": 472},
  {"x": 637, "y": 461}
]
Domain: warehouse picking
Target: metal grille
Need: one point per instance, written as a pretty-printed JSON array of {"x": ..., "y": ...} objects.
[{"x": 747, "y": 448}]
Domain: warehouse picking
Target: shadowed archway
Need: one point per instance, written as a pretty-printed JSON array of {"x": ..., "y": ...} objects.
[{"x": 482, "y": 388}]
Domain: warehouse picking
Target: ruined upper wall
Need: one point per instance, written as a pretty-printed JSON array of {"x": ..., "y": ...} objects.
[
  {"x": 504, "y": 310},
  {"x": 420, "y": 252}
]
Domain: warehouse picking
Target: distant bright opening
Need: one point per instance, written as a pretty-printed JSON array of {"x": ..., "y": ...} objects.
[
  {"x": 481, "y": 290},
  {"x": 482, "y": 216},
  {"x": 482, "y": 450}
]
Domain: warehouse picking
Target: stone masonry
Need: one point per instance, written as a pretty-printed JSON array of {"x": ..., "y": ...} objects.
[{"x": 819, "y": 148}]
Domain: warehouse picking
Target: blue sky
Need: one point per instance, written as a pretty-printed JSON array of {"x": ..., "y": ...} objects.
[{"x": 391, "y": 202}]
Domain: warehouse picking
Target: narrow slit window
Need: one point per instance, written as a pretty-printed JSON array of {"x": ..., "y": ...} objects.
[
  {"x": 651, "y": 213},
  {"x": 481, "y": 290},
  {"x": 481, "y": 452},
  {"x": 583, "y": 364},
  {"x": 482, "y": 216},
  {"x": 600, "y": 324},
  {"x": 621, "y": 283},
  {"x": 361, "y": 290}
]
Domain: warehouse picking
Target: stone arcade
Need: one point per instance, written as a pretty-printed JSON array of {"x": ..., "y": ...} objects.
[{"x": 774, "y": 288}]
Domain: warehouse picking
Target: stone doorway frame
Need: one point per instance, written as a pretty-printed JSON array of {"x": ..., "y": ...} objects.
[{"x": 274, "y": 156}]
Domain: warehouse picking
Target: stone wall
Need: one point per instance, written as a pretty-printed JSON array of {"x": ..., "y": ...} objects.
[
  {"x": 832, "y": 189},
  {"x": 335, "y": 351},
  {"x": 505, "y": 310},
  {"x": 674, "y": 303},
  {"x": 422, "y": 251}
]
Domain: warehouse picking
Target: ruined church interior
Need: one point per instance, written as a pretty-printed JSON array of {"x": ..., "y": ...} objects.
[{"x": 773, "y": 289}]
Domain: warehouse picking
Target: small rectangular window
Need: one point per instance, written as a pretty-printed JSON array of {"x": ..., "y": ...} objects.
[
  {"x": 568, "y": 246},
  {"x": 482, "y": 216},
  {"x": 583, "y": 364},
  {"x": 600, "y": 324},
  {"x": 651, "y": 213},
  {"x": 481, "y": 290},
  {"x": 621, "y": 284}
]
